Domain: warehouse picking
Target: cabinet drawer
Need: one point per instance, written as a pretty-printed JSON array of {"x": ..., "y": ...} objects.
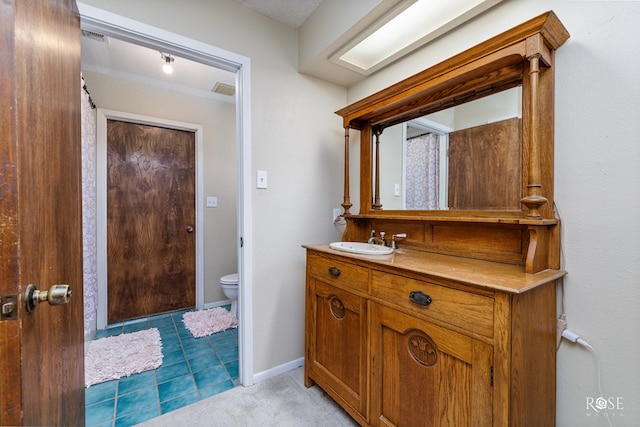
[
  {"x": 463, "y": 309},
  {"x": 341, "y": 274}
]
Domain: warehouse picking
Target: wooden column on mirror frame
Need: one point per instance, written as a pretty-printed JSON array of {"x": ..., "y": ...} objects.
[
  {"x": 534, "y": 199},
  {"x": 346, "y": 203},
  {"x": 376, "y": 195}
]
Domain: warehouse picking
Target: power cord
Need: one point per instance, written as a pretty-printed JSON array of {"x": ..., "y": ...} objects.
[
  {"x": 562, "y": 331},
  {"x": 573, "y": 337}
]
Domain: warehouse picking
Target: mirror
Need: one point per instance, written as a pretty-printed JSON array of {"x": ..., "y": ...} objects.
[
  {"x": 505, "y": 189},
  {"x": 491, "y": 108},
  {"x": 466, "y": 157}
]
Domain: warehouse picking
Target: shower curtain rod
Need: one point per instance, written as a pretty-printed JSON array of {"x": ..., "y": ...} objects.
[
  {"x": 418, "y": 136},
  {"x": 86, "y": 90}
]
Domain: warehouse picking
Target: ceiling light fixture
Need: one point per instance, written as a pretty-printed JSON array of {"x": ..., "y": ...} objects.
[
  {"x": 406, "y": 28},
  {"x": 168, "y": 59}
]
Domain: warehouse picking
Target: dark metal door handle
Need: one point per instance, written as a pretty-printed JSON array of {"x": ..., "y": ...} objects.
[
  {"x": 334, "y": 271},
  {"x": 422, "y": 299}
]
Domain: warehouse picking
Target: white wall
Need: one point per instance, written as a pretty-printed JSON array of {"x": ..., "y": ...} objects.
[
  {"x": 219, "y": 159},
  {"x": 597, "y": 188},
  {"x": 297, "y": 139}
]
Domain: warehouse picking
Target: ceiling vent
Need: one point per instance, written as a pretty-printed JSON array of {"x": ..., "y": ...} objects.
[
  {"x": 94, "y": 36},
  {"x": 224, "y": 89}
]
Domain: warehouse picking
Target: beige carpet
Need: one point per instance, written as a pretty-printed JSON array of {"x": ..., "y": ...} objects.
[{"x": 281, "y": 401}]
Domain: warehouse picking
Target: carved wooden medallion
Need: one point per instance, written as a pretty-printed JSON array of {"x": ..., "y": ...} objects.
[
  {"x": 422, "y": 349},
  {"x": 337, "y": 308}
]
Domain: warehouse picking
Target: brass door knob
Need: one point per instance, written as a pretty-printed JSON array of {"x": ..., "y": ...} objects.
[
  {"x": 189, "y": 229},
  {"x": 56, "y": 295}
]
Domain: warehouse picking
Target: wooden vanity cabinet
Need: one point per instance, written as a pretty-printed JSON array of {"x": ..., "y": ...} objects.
[
  {"x": 480, "y": 353},
  {"x": 426, "y": 375},
  {"x": 423, "y": 372},
  {"x": 337, "y": 333}
]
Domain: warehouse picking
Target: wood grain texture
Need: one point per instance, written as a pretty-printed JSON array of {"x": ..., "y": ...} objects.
[
  {"x": 336, "y": 345},
  {"x": 455, "y": 390},
  {"x": 512, "y": 179},
  {"x": 485, "y": 168},
  {"x": 150, "y": 204},
  {"x": 505, "y": 50},
  {"x": 10, "y": 338},
  {"x": 484, "y": 276},
  {"x": 41, "y": 362},
  {"x": 476, "y": 356},
  {"x": 533, "y": 358},
  {"x": 464, "y": 309},
  {"x": 347, "y": 276}
]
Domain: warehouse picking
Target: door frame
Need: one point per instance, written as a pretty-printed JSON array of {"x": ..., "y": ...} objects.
[
  {"x": 101, "y": 203},
  {"x": 113, "y": 25}
]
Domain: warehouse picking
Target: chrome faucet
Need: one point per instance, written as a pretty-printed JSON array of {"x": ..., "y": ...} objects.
[
  {"x": 394, "y": 245},
  {"x": 377, "y": 240}
]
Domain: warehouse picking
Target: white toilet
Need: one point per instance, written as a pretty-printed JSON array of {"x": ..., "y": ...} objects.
[{"x": 229, "y": 285}]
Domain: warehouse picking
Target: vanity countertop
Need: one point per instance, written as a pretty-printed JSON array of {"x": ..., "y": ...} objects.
[{"x": 485, "y": 274}]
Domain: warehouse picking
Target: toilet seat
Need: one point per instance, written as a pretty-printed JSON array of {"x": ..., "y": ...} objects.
[
  {"x": 229, "y": 279},
  {"x": 229, "y": 285}
]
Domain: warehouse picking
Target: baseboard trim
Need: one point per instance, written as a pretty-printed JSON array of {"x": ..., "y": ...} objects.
[
  {"x": 216, "y": 304},
  {"x": 278, "y": 370}
]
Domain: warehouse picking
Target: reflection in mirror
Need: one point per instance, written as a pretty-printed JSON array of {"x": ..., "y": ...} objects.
[{"x": 467, "y": 157}]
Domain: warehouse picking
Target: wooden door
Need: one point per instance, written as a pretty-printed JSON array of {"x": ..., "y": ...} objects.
[
  {"x": 424, "y": 375},
  {"x": 485, "y": 167},
  {"x": 41, "y": 353},
  {"x": 150, "y": 220},
  {"x": 337, "y": 342}
]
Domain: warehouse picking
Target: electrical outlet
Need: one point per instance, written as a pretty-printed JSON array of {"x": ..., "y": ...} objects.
[
  {"x": 562, "y": 325},
  {"x": 336, "y": 213}
]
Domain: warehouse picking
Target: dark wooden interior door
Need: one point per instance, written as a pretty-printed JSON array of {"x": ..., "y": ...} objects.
[
  {"x": 150, "y": 220},
  {"x": 41, "y": 352},
  {"x": 484, "y": 167}
]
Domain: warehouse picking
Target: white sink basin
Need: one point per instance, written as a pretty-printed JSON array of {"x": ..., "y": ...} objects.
[{"x": 361, "y": 248}]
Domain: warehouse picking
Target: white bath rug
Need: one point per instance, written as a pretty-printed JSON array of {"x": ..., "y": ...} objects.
[
  {"x": 206, "y": 322},
  {"x": 119, "y": 356}
]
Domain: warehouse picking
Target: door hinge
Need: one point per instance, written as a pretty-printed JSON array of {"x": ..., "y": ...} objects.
[
  {"x": 241, "y": 242},
  {"x": 9, "y": 304},
  {"x": 491, "y": 375}
]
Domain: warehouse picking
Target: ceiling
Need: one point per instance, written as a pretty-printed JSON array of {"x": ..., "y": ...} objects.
[
  {"x": 113, "y": 57},
  {"x": 128, "y": 61},
  {"x": 110, "y": 56},
  {"x": 289, "y": 12}
]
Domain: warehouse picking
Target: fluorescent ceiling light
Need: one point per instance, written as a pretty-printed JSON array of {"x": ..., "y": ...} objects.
[{"x": 413, "y": 26}]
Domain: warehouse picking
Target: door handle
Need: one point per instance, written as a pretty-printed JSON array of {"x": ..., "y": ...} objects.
[
  {"x": 56, "y": 295},
  {"x": 189, "y": 229},
  {"x": 420, "y": 298}
]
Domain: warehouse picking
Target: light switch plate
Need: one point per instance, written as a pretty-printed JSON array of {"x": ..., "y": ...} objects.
[
  {"x": 261, "y": 179},
  {"x": 212, "y": 202}
]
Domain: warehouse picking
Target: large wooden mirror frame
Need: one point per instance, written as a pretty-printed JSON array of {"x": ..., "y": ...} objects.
[{"x": 522, "y": 56}]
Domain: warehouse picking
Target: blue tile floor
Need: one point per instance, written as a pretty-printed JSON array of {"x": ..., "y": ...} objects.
[{"x": 192, "y": 369}]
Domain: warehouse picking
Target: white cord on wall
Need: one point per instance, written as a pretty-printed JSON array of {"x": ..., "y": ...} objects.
[
  {"x": 562, "y": 321},
  {"x": 573, "y": 337}
]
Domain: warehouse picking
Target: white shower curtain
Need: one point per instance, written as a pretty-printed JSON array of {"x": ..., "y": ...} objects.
[
  {"x": 89, "y": 249},
  {"x": 422, "y": 172}
]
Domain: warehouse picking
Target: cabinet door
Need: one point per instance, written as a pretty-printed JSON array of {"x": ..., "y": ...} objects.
[
  {"x": 425, "y": 375},
  {"x": 336, "y": 345}
]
